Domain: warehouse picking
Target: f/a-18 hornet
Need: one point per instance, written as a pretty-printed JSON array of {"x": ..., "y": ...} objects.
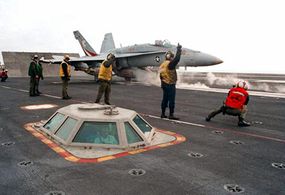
[{"x": 135, "y": 56}]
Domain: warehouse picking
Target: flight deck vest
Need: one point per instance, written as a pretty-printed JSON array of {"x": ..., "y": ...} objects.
[
  {"x": 236, "y": 98},
  {"x": 61, "y": 73},
  {"x": 166, "y": 75},
  {"x": 104, "y": 72}
]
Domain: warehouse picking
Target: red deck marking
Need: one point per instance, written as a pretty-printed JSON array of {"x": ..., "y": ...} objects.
[
  {"x": 121, "y": 154},
  {"x": 87, "y": 160},
  {"x": 70, "y": 157}
]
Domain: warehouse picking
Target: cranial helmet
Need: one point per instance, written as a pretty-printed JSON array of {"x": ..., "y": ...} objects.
[
  {"x": 110, "y": 56},
  {"x": 35, "y": 56},
  {"x": 169, "y": 55},
  {"x": 66, "y": 57},
  {"x": 242, "y": 84}
]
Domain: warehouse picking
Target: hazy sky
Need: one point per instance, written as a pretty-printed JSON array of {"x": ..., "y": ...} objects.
[{"x": 248, "y": 35}]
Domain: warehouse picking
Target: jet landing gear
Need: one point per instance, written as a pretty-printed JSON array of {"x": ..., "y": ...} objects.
[
  {"x": 96, "y": 78},
  {"x": 128, "y": 79}
]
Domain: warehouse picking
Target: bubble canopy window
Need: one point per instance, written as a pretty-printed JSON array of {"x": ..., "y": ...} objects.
[{"x": 85, "y": 125}]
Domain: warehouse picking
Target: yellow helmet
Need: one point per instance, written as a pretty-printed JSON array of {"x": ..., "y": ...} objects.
[{"x": 169, "y": 55}]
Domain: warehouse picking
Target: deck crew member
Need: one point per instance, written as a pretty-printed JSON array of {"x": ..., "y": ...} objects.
[
  {"x": 235, "y": 104},
  {"x": 105, "y": 77},
  {"x": 168, "y": 77},
  {"x": 65, "y": 74},
  {"x": 4, "y": 75},
  {"x": 34, "y": 75}
]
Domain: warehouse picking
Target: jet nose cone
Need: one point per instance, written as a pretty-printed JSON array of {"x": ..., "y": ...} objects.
[
  {"x": 197, "y": 58},
  {"x": 218, "y": 61},
  {"x": 209, "y": 60}
]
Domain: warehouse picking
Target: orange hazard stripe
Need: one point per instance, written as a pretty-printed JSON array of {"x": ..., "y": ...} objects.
[{"x": 68, "y": 156}]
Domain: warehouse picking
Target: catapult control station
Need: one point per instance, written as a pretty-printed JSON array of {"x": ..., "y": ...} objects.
[{"x": 95, "y": 130}]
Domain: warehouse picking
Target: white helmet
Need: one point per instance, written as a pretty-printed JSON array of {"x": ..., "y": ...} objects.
[
  {"x": 66, "y": 57},
  {"x": 35, "y": 56},
  {"x": 242, "y": 84}
]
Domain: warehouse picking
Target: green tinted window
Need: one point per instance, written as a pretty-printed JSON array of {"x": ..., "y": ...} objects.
[
  {"x": 97, "y": 133},
  {"x": 132, "y": 135},
  {"x": 66, "y": 128},
  {"x": 54, "y": 122},
  {"x": 144, "y": 127}
]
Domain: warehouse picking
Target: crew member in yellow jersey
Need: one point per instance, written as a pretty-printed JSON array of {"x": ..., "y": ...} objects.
[
  {"x": 65, "y": 74},
  {"x": 105, "y": 77},
  {"x": 168, "y": 77}
]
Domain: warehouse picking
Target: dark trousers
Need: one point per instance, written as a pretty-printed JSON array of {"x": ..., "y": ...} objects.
[
  {"x": 37, "y": 85},
  {"x": 3, "y": 79},
  {"x": 168, "y": 100},
  {"x": 104, "y": 88},
  {"x": 64, "y": 87},
  {"x": 241, "y": 113},
  {"x": 32, "y": 86}
]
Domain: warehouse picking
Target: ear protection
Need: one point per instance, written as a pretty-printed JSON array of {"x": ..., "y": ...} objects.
[
  {"x": 169, "y": 55},
  {"x": 242, "y": 84},
  {"x": 110, "y": 56}
]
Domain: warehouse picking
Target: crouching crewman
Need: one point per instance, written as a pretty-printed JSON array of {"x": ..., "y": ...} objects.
[{"x": 235, "y": 104}]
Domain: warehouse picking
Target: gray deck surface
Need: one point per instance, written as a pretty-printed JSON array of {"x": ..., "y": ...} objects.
[{"x": 169, "y": 170}]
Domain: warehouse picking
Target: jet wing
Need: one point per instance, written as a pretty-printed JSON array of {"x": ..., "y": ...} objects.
[{"x": 101, "y": 57}]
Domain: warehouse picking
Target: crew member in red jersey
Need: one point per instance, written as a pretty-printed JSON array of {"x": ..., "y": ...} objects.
[{"x": 235, "y": 104}]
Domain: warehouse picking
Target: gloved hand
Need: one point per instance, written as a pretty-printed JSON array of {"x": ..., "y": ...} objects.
[{"x": 179, "y": 47}]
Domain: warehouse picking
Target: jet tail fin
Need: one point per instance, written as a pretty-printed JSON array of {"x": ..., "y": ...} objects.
[
  {"x": 88, "y": 50},
  {"x": 108, "y": 43}
]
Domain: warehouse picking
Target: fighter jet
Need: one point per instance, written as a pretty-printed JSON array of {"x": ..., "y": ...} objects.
[{"x": 135, "y": 56}]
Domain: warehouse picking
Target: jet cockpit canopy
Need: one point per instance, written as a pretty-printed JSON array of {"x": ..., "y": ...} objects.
[{"x": 163, "y": 43}]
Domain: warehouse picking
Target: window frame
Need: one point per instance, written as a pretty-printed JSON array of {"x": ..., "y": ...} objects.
[
  {"x": 136, "y": 131},
  {"x": 151, "y": 129},
  {"x": 57, "y": 127},
  {"x": 76, "y": 124},
  {"x": 72, "y": 143}
]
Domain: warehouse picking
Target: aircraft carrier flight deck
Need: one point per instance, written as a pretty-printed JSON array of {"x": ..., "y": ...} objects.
[{"x": 217, "y": 157}]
